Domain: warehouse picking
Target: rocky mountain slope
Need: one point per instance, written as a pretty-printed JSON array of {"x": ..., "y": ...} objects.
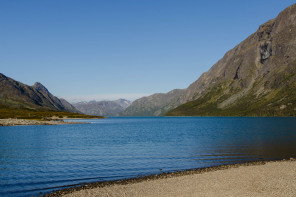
[
  {"x": 255, "y": 78},
  {"x": 103, "y": 108},
  {"x": 123, "y": 103},
  {"x": 154, "y": 105},
  {"x": 16, "y": 95}
]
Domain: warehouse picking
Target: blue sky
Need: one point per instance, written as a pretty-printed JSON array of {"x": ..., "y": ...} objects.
[{"x": 108, "y": 49}]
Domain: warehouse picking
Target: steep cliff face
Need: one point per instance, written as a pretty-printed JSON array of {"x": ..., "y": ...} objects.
[
  {"x": 257, "y": 77},
  {"x": 14, "y": 94}
]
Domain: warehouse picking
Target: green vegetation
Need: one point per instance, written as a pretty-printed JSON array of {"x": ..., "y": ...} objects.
[
  {"x": 277, "y": 102},
  {"x": 22, "y": 113},
  {"x": 21, "y": 101}
]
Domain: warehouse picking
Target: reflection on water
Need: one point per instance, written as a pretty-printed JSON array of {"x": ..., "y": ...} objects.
[{"x": 37, "y": 159}]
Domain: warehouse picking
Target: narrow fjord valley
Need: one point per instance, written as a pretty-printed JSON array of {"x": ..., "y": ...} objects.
[
  {"x": 232, "y": 132},
  {"x": 255, "y": 78}
]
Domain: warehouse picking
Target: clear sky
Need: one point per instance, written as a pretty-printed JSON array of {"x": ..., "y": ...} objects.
[{"x": 108, "y": 49}]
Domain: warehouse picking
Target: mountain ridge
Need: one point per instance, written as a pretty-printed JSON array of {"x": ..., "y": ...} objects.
[
  {"x": 261, "y": 67},
  {"x": 103, "y": 108},
  {"x": 154, "y": 105},
  {"x": 255, "y": 78},
  {"x": 14, "y": 94}
]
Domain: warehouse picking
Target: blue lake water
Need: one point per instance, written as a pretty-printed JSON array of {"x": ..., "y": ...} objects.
[{"x": 36, "y": 159}]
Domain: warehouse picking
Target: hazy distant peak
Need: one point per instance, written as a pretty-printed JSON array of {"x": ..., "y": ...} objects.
[
  {"x": 106, "y": 108},
  {"x": 123, "y": 102}
]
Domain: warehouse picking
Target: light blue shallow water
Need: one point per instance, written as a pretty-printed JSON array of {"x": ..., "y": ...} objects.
[{"x": 36, "y": 159}]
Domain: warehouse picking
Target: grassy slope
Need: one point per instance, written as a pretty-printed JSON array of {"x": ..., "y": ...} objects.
[
  {"x": 22, "y": 113},
  {"x": 278, "y": 102}
]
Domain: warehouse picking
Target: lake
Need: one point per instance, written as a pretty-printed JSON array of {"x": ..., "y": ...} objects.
[{"x": 36, "y": 159}]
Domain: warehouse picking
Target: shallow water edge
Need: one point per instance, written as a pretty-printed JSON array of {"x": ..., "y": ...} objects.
[{"x": 163, "y": 175}]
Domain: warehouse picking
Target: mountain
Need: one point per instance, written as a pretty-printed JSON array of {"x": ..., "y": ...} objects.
[
  {"x": 123, "y": 103},
  {"x": 69, "y": 107},
  {"x": 103, "y": 108},
  {"x": 16, "y": 95},
  {"x": 154, "y": 105},
  {"x": 255, "y": 78}
]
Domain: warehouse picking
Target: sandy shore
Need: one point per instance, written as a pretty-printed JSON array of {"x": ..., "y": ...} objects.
[
  {"x": 276, "y": 178},
  {"x": 15, "y": 122}
]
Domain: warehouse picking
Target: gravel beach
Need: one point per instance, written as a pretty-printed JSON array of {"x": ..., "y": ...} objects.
[
  {"x": 277, "y": 178},
  {"x": 15, "y": 122}
]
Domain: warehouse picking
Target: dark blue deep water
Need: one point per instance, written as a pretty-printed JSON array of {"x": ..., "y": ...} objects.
[{"x": 36, "y": 159}]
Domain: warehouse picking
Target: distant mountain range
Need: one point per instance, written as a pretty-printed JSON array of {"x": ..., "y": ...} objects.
[
  {"x": 16, "y": 95},
  {"x": 154, "y": 105},
  {"x": 103, "y": 108},
  {"x": 255, "y": 78}
]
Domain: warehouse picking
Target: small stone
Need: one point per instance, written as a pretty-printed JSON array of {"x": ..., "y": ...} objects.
[{"x": 283, "y": 107}]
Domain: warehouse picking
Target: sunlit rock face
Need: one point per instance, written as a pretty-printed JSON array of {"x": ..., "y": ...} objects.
[{"x": 254, "y": 78}]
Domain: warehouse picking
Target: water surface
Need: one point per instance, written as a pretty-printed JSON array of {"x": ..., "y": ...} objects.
[{"x": 36, "y": 159}]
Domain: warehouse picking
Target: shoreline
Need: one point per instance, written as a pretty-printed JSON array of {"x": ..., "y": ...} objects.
[
  {"x": 22, "y": 122},
  {"x": 162, "y": 176}
]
